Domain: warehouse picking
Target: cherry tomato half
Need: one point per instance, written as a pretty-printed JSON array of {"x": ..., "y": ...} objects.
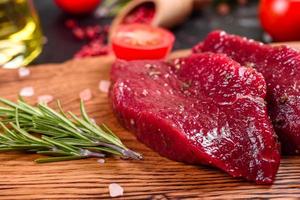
[
  {"x": 141, "y": 41},
  {"x": 281, "y": 19},
  {"x": 77, "y": 6}
]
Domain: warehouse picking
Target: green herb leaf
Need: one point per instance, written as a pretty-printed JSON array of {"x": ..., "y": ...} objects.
[{"x": 62, "y": 136}]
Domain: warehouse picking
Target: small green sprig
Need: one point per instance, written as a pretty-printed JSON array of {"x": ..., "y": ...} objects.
[
  {"x": 59, "y": 135},
  {"x": 111, "y": 8}
]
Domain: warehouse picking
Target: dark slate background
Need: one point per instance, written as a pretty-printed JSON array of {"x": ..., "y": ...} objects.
[{"x": 61, "y": 45}]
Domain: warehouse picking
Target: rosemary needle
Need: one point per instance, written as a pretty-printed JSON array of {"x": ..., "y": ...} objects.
[{"x": 61, "y": 136}]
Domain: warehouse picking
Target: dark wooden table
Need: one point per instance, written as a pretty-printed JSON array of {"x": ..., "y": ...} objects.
[{"x": 62, "y": 45}]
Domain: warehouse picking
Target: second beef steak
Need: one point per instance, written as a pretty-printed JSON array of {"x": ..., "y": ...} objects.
[
  {"x": 202, "y": 109},
  {"x": 281, "y": 68}
]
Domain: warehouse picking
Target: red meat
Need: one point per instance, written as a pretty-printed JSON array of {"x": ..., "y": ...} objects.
[
  {"x": 281, "y": 68},
  {"x": 204, "y": 109}
]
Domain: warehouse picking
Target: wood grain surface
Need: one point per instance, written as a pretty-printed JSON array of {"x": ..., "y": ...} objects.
[{"x": 154, "y": 177}]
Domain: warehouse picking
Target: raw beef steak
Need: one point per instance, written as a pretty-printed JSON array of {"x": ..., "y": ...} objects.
[
  {"x": 281, "y": 68},
  {"x": 205, "y": 109}
]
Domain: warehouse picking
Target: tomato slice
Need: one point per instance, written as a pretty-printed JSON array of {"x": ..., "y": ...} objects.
[{"x": 141, "y": 41}]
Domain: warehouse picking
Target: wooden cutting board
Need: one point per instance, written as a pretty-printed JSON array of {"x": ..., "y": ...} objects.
[{"x": 154, "y": 177}]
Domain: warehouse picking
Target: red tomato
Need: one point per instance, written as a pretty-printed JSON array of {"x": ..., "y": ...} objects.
[
  {"x": 77, "y": 6},
  {"x": 141, "y": 41},
  {"x": 281, "y": 19}
]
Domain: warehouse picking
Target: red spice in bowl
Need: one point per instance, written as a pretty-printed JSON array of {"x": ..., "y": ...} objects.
[{"x": 141, "y": 14}]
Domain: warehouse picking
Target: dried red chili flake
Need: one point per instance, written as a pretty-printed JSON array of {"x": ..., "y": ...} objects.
[
  {"x": 95, "y": 35},
  {"x": 79, "y": 33},
  {"x": 90, "y": 50},
  {"x": 142, "y": 14},
  {"x": 106, "y": 29},
  {"x": 95, "y": 47},
  {"x": 223, "y": 9},
  {"x": 71, "y": 23},
  {"x": 92, "y": 32}
]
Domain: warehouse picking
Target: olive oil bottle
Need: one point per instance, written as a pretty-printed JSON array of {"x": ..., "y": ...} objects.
[{"x": 20, "y": 33}]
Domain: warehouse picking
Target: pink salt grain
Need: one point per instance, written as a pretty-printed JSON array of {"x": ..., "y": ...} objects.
[
  {"x": 45, "y": 99},
  {"x": 101, "y": 161},
  {"x": 85, "y": 95},
  {"x": 93, "y": 120},
  {"x": 104, "y": 86},
  {"x": 23, "y": 72},
  {"x": 26, "y": 92},
  {"x": 115, "y": 190}
]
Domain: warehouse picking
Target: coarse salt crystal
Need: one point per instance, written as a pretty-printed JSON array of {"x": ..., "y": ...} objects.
[
  {"x": 27, "y": 92},
  {"x": 45, "y": 99},
  {"x": 101, "y": 161},
  {"x": 23, "y": 72},
  {"x": 85, "y": 95},
  {"x": 115, "y": 190},
  {"x": 93, "y": 120},
  {"x": 104, "y": 86}
]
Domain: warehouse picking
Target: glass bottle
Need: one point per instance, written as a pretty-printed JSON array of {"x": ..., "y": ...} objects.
[{"x": 20, "y": 33}]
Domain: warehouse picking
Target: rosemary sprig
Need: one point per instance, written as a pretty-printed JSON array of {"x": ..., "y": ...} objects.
[{"x": 60, "y": 135}]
